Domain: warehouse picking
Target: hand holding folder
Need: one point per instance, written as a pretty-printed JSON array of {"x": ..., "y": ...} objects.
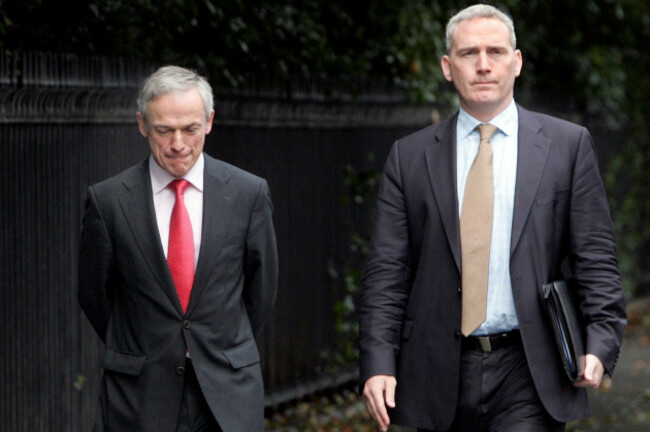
[{"x": 565, "y": 317}]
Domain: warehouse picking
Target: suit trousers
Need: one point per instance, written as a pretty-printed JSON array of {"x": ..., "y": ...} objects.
[
  {"x": 195, "y": 415},
  {"x": 497, "y": 394}
]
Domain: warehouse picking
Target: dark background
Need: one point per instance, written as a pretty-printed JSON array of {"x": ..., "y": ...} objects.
[{"x": 310, "y": 95}]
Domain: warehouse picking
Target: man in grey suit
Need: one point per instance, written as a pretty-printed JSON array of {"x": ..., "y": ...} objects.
[
  {"x": 177, "y": 283},
  {"x": 420, "y": 365}
]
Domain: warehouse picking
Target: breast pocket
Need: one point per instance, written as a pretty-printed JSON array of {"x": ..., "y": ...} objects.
[{"x": 554, "y": 196}]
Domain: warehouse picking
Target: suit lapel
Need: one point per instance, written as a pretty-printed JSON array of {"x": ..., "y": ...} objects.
[
  {"x": 532, "y": 155},
  {"x": 440, "y": 157},
  {"x": 219, "y": 197},
  {"x": 137, "y": 206}
]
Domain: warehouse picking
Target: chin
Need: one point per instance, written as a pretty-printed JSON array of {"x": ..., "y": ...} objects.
[
  {"x": 176, "y": 172},
  {"x": 484, "y": 102}
]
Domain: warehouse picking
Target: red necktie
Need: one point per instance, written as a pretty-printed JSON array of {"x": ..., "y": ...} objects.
[{"x": 180, "y": 253}]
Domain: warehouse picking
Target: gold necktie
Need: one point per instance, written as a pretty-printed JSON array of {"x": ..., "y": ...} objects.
[{"x": 475, "y": 234}]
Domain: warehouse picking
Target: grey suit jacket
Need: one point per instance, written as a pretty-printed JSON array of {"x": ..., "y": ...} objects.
[
  {"x": 410, "y": 304},
  {"x": 127, "y": 293}
]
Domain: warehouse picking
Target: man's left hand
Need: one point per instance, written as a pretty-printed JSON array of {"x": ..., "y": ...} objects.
[{"x": 594, "y": 371}]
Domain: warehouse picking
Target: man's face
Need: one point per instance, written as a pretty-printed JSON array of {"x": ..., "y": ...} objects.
[
  {"x": 176, "y": 128},
  {"x": 483, "y": 66}
]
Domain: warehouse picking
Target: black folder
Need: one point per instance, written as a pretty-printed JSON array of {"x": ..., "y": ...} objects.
[{"x": 561, "y": 302}]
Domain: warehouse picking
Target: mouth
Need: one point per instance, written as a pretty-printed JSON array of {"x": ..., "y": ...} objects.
[{"x": 178, "y": 157}]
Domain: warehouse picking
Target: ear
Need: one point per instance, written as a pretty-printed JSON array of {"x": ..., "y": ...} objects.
[
  {"x": 142, "y": 125},
  {"x": 446, "y": 68},
  {"x": 208, "y": 126},
  {"x": 518, "y": 63}
]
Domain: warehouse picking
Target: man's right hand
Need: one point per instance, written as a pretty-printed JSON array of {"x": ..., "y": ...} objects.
[{"x": 379, "y": 392}]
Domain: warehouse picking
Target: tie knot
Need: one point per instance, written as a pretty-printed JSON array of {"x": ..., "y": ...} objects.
[
  {"x": 178, "y": 186},
  {"x": 487, "y": 131}
]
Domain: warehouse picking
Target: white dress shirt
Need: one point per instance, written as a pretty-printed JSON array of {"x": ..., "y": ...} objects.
[
  {"x": 501, "y": 313},
  {"x": 164, "y": 198}
]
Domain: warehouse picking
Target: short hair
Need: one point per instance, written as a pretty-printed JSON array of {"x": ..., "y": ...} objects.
[
  {"x": 170, "y": 79},
  {"x": 479, "y": 11}
]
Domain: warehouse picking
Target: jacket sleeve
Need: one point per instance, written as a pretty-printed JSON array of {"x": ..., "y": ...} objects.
[
  {"x": 593, "y": 258},
  {"x": 386, "y": 281},
  {"x": 95, "y": 267},
  {"x": 261, "y": 262}
]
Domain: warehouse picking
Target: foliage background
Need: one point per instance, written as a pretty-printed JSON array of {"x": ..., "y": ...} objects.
[{"x": 590, "y": 54}]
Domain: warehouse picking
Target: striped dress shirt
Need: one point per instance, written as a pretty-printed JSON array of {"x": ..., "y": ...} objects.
[{"x": 501, "y": 314}]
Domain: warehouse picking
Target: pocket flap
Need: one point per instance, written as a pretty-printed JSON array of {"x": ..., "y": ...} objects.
[
  {"x": 242, "y": 355},
  {"x": 123, "y": 363}
]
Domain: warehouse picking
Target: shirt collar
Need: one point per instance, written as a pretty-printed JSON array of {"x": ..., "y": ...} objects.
[
  {"x": 161, "y": 178},
  {"x": 506, "y": 121}
]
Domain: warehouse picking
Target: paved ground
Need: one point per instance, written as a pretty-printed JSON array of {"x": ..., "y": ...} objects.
[{"x": 620, "y": 405}]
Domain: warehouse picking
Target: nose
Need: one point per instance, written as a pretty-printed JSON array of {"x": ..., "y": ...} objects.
[
  {"x": 177, "y": 140},
  {"x": 483, "y": 63}
]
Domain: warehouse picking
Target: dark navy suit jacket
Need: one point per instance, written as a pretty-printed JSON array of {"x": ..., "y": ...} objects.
[{"x": 410, "y": 304}]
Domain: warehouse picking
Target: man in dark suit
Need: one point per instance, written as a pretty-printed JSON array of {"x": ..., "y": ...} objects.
[
  {"x": 420, "y": 364},
  {"x": 178, "y": 282}
]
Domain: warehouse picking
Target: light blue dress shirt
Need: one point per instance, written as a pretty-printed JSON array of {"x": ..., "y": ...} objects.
[{"x": 501, "y": 314}]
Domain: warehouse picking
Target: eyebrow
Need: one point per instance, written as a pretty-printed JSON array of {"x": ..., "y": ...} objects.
[
  {"x": 165, "y": 126},
  {"x": 478, "y": 48}
]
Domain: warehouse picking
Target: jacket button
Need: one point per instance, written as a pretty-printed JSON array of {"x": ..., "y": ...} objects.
[
  {"x": 180, "y": 370},
  {"x": 187, "y": 324},
  {"x": 457, "y": 334},
  {"x": 459, "y": 292}
]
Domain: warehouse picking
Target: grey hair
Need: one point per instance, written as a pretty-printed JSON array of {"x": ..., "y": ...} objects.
[
  {"x": 169, "y": 79},
  {"x": 479, "y": 11}
]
